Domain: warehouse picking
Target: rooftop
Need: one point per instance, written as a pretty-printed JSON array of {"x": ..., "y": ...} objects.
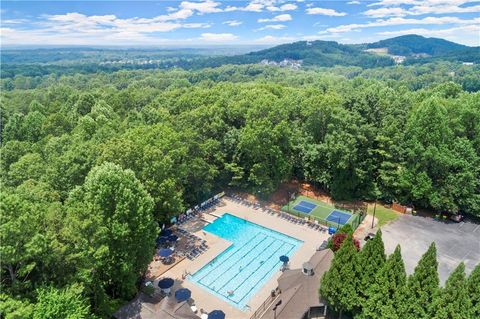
[{"x": 299, "y": 292}]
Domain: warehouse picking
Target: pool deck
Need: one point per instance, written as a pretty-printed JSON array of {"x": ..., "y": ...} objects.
[{"x": 203, "y": 299}]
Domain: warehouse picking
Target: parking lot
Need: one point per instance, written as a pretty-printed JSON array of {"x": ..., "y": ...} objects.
[{"x": 455, "y": 242}]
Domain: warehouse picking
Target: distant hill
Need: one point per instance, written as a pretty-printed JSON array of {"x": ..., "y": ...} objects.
[
  {"x": 312, "y": 53},
  {"x": 425, "y": 49},
  {"x": 408, "y": 50},
  {"x": 415, "y": 48}
]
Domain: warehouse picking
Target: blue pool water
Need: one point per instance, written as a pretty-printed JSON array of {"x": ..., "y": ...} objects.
[{"x": 246, "y": 265}]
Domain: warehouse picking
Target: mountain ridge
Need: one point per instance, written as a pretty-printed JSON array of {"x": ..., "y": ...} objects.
[{"x": 415, "y": 49}]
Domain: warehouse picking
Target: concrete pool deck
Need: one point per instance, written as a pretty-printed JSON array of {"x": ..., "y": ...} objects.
[{"x": 203, "y": 299}]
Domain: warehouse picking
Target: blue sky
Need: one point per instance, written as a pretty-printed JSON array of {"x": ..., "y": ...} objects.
[{"x": 210, "y": 22}]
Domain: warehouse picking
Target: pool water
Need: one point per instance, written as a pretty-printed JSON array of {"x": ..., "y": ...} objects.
[{"x": 246, "y": 265}]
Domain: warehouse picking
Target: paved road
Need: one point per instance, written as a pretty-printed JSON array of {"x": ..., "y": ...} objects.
[{"x": 455, "y": 242}]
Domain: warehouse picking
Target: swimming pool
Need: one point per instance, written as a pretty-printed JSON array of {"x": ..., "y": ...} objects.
[{"x": 246, "y": 265}]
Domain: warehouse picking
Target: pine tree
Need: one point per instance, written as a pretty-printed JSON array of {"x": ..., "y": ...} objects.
[
  {"x": 422, "y": 286},
  {"x": 473, "y": 290},
  {"x": 383, "y": 295},
  {"x": 452, "y": 302},
  {"x": 338, "y": 284},
  {"x": 370, "y": 261}
]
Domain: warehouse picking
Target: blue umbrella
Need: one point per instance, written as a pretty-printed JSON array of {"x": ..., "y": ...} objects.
[
  {"x": 165, "y": 283},
  {"x": 182, "y": 294},
  {"x": 172, "y": 238},
  {"x": 216, "y": 314},
  {"x": 284, "y": 259},
  {"x": 165, "y": 252},
  {"x": 162, "y": 240},
  {"x": 166, "y": 232}
]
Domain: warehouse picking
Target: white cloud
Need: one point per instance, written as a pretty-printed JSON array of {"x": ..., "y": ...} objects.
[
  {"x": 419, "y": 2},
  {"x": 279, "y": 18},
  {"x": 232, "y": 23},
  {"x": 218, "y": 37},
  {"x": 273, "y": 27},
  {"x": 270, "y": 39},
  {"x": 196, "y": 25},
  {"x": 207, "y": 6},
  {"x": 77, "y": 28},
  {"x": 467, "y": 34},
  {"x": 353, "y": 2},
  {"x": 251, "y": 7},
  {"x": 285, "y": 7},
  {"x": 403, "y": 21},
  {"x": 385, "y": 12},
  {"x": 390, "y": 8},
  {"x": 262, "y": 5},
  {"x": 326, "y": 12},
  {"x": 14, "y": 21}
]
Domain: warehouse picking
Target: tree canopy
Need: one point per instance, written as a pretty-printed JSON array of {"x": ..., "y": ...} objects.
[{"x": 93, "y": 161}]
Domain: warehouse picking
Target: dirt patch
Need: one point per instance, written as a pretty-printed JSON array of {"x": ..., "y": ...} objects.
[{"x": 157, "y": 268}]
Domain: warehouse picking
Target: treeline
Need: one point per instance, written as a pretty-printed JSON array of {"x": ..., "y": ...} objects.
[
  {"x": 90, "y": 163},
  {"x": 414, "y": 78},
  {"x": 366, "y": 284}
]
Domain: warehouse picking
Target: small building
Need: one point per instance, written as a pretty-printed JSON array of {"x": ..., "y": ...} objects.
[{"x": 298, "y": 291}]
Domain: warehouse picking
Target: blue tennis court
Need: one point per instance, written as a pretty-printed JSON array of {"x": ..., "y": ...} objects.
[
  {"x": 339, "y": 217},
  {"x": 305, "y": 207}
]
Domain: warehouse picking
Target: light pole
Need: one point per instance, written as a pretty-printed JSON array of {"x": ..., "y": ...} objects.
[{"x": 275, "y": 309}]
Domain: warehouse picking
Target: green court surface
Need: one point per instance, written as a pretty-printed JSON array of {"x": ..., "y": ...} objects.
[{"x": 321, "y": 211}]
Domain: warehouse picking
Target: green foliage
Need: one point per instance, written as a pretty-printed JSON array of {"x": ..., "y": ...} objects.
[
  {"x": 452, "y": 161},
  {"x": 68, "y": 303},
  {"x": 383, "y": 295},
  {"x": 401, "y": 133},
  {"x": 11, "y": 308},
  {"x": 370, "y": 261},
  {"x": 22, "y": 243},
  {"x": 415, "y": 44},
  {"x": 473, "y": 291},
  {"x": 422, "y": 287},
  {"x": 111, "y": 230},
  {"x": 453, "y": 301},
  {"x": 338, "y": 285}
]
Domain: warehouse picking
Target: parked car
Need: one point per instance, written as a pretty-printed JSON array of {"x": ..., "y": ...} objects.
[
  {"x": 457, "y": 218},
  {"x": 369, "y": 236}
]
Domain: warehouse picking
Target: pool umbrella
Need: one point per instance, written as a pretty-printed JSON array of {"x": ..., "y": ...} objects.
[
  {"x": 166, "y": 232},
  {"x": 216, "y": 314},
  {"x": 182, "y": 294},
  {"x": 162, "y": 240},
  {"x": 165, "y": 252},
  {"x": 284, "y": 259},
  {"x": 165, "y": 283},
  {"x": 172, "y": 238}
]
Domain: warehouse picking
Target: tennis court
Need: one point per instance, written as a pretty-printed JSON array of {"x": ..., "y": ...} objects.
[
  {"x": 305, "y": 207},
  {"x": 338, "y": 217},
  {"x": 327, "y": 214}
]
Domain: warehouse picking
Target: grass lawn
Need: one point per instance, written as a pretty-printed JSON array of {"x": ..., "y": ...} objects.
[{"x": 384, "y": 215}]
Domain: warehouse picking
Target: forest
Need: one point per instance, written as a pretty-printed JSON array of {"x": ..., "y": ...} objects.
[{"x": 92, "y": 163}]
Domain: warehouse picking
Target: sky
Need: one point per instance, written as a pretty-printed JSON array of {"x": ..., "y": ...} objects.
[{"x": 253, "y": 22}]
